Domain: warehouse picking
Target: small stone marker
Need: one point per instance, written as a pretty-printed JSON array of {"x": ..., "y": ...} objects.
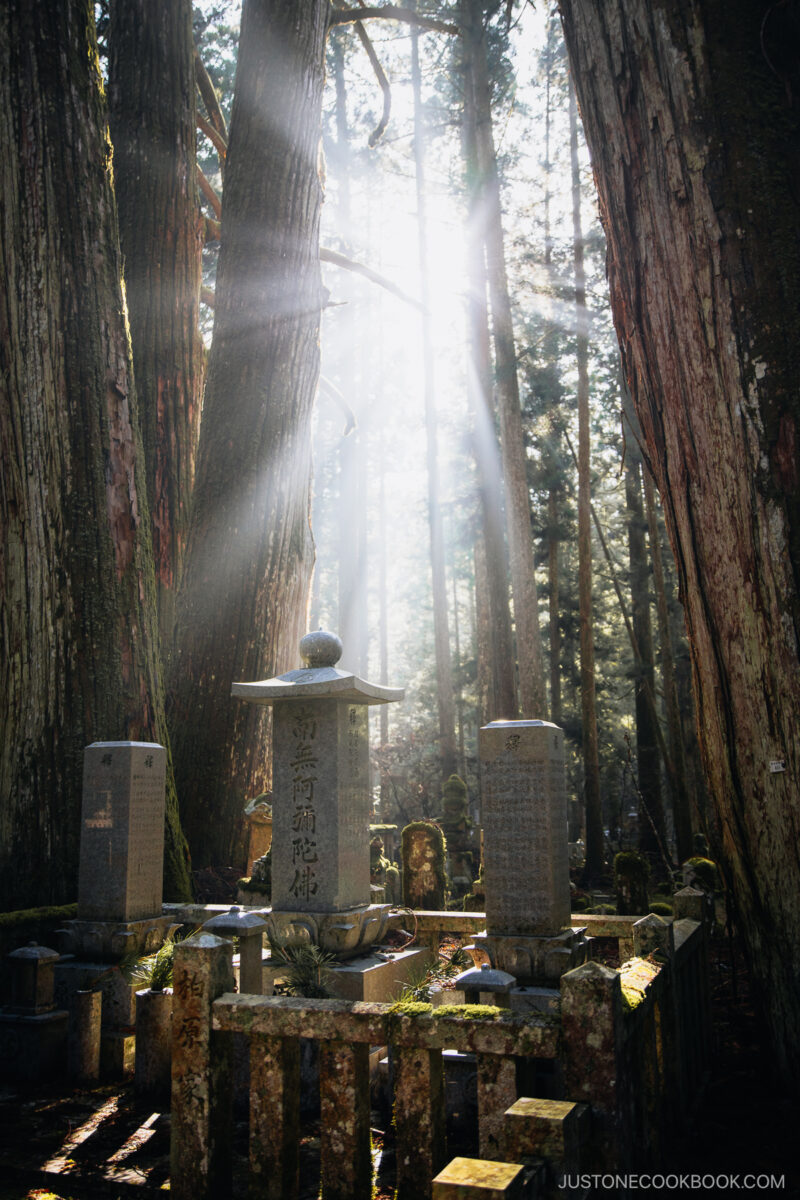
[
  {"x": 479, "y": 1179},
  {"x": 121, "y": 868},
  {"x": 423, "y": 866}
]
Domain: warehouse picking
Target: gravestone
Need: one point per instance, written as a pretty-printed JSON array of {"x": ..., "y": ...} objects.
[
  {"x": 321, "y": 800},
  {"x": 120, "y": 878},
  {"x": 423, "y": 866},
  {"x": 526, "y": 853}
]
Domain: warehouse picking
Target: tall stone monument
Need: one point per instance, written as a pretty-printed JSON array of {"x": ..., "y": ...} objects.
[
  {"x": 320, "y": 800},
  {"x": 526, "y": 852}
]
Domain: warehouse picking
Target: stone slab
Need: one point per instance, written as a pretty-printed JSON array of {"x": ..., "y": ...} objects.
[
  {"x": 524, "y": 815},
  {"x": 479, "y": 1179},
  {"x": 121, "y": 869},
  {"x": 377, "y": 979}
]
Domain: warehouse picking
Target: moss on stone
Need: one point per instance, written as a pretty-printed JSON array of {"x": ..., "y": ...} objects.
[
  {"x": 705, "y": 870},
  {"x": 411, "y": 1008},
  {"x": 469, "y": 1012}
]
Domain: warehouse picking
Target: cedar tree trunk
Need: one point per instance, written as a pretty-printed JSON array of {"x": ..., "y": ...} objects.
[
  {"x": 243, "y": 599},
  {"x": 78, "y": 631},
  {"x": 691, "y": 113},
  {"x": 152, "y": 111}
]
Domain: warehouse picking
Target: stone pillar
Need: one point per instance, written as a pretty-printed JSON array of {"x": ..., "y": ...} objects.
[
  {"x": 653, "y": 935},
  {"x": 497, "y": 1091},
  {"x": 274, "y": 1117},
  {"x": 153, "y": 1064},
  {"x": 591, "y": 1022},
  {"x": 419, "y": 1110},
  {"x": 346, "y": 1168},
  {"x": 84, "y": 1036},
  {"x": 526, "y": 852},
  {"x": 200, "y": 1150},
  {"x": 555, "y": 1130}
]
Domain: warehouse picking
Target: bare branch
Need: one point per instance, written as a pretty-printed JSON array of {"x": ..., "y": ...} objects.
[
  {"x": 380, "y": 75},
  {"x": 210, "y": 98},
  {"x": 333, "y": 393},
  {"x": 214, "y": 136},
  {"x": 207, "y": 296},
  {"x": 349, "y": 264},
  {"x": 212, "y": 230},
  {"x": 392, "y": 12},
  {"x": 209, "y": 193}
]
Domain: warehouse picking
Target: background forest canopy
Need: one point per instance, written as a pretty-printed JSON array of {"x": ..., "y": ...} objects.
[{"x": 437, "y": 338}]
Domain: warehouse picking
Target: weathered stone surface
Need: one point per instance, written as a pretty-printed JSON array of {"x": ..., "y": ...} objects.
[
  {"x": 248, "y": 928},
  {"x": 524, "y": 815},
  {"x": 122, "y": 831},
  {"x": 345, "y": 1147},
  {"x": 497, "y": 1091},
  {"x": 32, "y": 978},
  {"x": 423, "y": 866},
  {"x": 274, "y": 1117},
  {"x": 109, "y": 941},
  {"x": 553, "y": 1129},
  {"x": 344, "y": 934},
  {"x": 591, "y": 1011},
  {"x": 653, "y": 935},
  {"x": 201, "y": 1072},
  {"x": 33, "y": 1046},
  {"x": 153, "y": 1062},
  {"x": 477, "y": 1179},
  {"x": 419, "y": 1111},
  {"x": 83, "y": 1057}
]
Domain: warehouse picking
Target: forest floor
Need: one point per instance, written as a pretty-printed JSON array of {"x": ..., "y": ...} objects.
[{"x": 78, "y": 1145}]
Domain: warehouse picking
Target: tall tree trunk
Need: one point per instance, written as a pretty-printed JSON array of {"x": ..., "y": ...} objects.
[
  {"x": 153, "y": 120},
  {"x": 78, "y": 627},
  {"x": 243, "y": 600},
  {"x": 532, "y": 695},
  {"x": 441, "y": 631},
  {"x": 553, "y": 546},
  {"x": 498, "y": 693},
  {"x": 652, "y": 830},
  {"x": 591, "y": 759},
  {"x": 681, "y": 803},
  {"x": 694, "y": 128}
]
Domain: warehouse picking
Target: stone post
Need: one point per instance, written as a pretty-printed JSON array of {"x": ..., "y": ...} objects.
[
  {"x": 84, "y": 1036},
  {"x": 200, "y": 1150},
  {"x": 497, "y": 1091},
  {"x": 274, "y": 1117},
  {"x": 591, "y": 1022},
  {"x": 419, "y": 1109},
  {"x": 653, "y": 935},
  {"x": 153, "y": 1064},
  {"x": 346, "y": 1168}
]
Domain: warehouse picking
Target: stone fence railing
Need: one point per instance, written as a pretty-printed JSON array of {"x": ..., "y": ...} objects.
[{"x": 633, "y": 1045}]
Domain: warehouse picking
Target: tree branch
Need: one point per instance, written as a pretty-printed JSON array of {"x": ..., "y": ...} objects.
[
  {"x": 212, "y": 230},
  {"x": 332, "y": 392},
  {"x": 207, "y": 296},
  {"x": 210, "y": 98},
  {"x": 214, "y": 136},
  {"x": 392, "y": 12},
  {"x": 349, "y": 264},
  {"x": 210, "y": 195},
  {"x": 380, "y": 75}
]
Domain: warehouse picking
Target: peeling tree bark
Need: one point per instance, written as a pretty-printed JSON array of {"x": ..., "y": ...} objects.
[
  {"x": 695, "y": 135},
  {"x": 78, "y": 633},
  {"x": 243, "y": 601}
]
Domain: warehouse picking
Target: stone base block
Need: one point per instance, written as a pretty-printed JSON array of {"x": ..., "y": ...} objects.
[
  {"x": 117, "y": 1053},
  {"x": 119, "y": 996},
  {"x": 479, "y": 1179},
  {"x": 344, "y": 934},
  {"x": 537, "y": 961},
  {"x": 109, "y": 941},
  {"x": 535, "y": 999},
  {"x": 33, "y": 1048},
  {"x": 556, "y": 1131}
]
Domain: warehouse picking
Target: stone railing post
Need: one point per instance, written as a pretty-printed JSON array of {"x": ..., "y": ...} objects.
[
  {"x": 497, "y": 1091},
  {"x": 419, "y": 1119},
  {"x": 274, "y": 1116},
  {"x": 200, "y": 1150},
  {"x": 654, "y": 935},
  {"x": 346, "y": 1167},
  {"x": 591, "y": 1022}
]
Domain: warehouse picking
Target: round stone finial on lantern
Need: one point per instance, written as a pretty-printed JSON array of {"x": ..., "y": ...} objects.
[{"x": 321, "y": 649}]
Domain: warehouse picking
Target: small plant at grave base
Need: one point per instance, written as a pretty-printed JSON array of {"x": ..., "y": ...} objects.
[
  {"x": 153, "y": 971},
  {"x": 306, "y": 970},
  {"x": 441, "y": 974}
]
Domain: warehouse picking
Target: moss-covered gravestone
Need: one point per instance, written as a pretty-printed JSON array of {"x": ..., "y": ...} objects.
[{"x": 424, "y": 881}]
